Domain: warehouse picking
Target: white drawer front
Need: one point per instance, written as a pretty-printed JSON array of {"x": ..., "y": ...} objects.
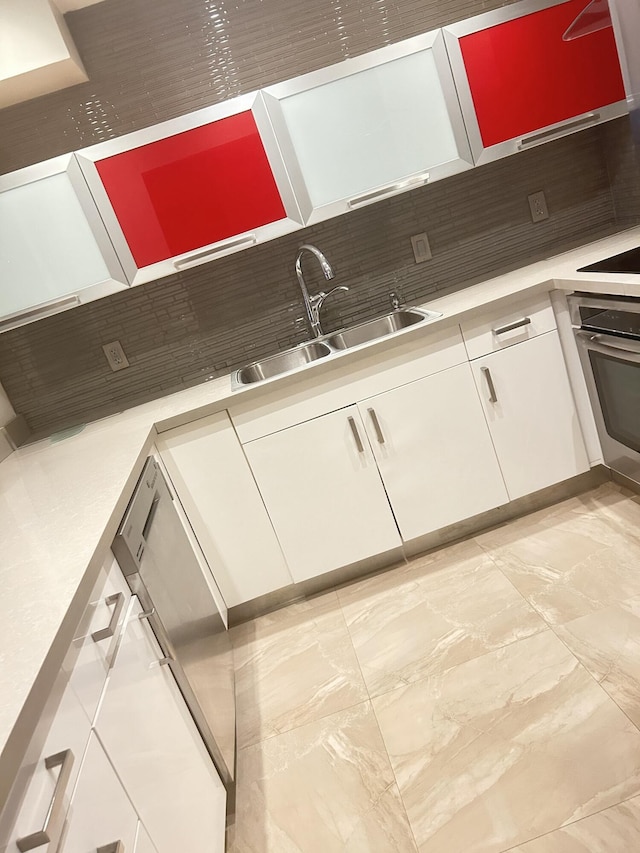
[
  {"x": 44, "y": 786},
  {"x": 97, "y": 635},
  {"x": 101, "y": 813},
  {"x": 65, "y": 723},
  {"x": 504, "y": 326}
]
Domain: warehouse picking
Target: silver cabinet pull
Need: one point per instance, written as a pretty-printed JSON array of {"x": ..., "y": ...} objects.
[
  {"x": 146, "y": 614},
  {"x": 40, "y": 311},
  {"x": 511, "y": 326},
  {"x": 118, "y": 599},
  {"x": 391, "y": 189},
  {"x": 493, "y": 397},
  {"x": 116, "y": 847},
  {"x": 356, "y": 435},
  {"x": 557, "y": 132},
  {"x": 165, "y": 661},
  {"x": 200, "y": 257},
  {"x": 376, "y": 425},
  {"x": 54, "y": 821}
]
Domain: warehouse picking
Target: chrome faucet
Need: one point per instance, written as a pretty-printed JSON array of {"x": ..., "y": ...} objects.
[{"x": 313, "y": 304}]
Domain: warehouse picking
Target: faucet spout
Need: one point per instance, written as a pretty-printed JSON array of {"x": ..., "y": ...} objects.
[{"x": 313, "y": 304}]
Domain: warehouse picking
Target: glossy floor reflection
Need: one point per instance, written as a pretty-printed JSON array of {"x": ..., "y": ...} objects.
[{"x": 479, "y": 699}]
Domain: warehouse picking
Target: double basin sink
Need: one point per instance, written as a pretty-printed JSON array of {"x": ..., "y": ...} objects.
[{"x": 304, "y": 354}]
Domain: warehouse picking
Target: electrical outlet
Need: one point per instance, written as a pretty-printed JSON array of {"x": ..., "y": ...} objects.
[
  {"x": 538, "y": 207},
  {"x": 115, "y": 355},
  {"x": 421, "y": 248}
]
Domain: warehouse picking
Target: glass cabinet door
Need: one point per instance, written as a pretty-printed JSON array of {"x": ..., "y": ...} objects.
[
  {"x": 54, "y": 252},
  {"x": 369, "y": 127},
  {"x": 191, "y": 189},
  {"x": 521, "y": 83}
]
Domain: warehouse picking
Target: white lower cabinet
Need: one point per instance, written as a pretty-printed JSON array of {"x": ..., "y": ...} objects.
[
  {"x": 322, "y": 489},
  {"x": 531, "y": 414},
  {"x": 216, "y": 488},
  {"x": 434, "y": 451},
  {"x": 40, "y": 795},
  {"x": 333, "y": 500},
  {"x": 149, "y": 735},
  {"x": 100, "y": 815}
]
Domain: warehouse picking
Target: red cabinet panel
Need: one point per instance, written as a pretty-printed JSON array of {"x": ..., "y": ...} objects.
[
  {"x": 192, "y": 189},
  {"x": 524, "y": 77}
]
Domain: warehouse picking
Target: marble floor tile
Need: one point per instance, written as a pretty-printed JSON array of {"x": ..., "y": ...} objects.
[
  {"x": 327, "y": 786},
  {"x": 440, "y": 610},
  {"x": 506, "y": 747},
  {"x": 614, "y": 830},
  {"x": 292, "y": 666},
  {"x": 608, "y": 645},
  {"x": 574, "y": 558}
]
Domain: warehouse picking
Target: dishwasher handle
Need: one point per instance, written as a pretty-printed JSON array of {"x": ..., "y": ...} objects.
[{"x": 152, "y": 514}]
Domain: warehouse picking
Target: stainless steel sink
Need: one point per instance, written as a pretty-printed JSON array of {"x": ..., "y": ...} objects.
[
  {"x": 275, "y": 365},
  {"x": 395, "y": 321},
  {"x": 302, "y": 355}
]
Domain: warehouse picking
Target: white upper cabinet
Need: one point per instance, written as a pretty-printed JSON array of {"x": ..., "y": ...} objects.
[
  {"x": 370, "y": 127},
  {"x": 54, "y": 250}
]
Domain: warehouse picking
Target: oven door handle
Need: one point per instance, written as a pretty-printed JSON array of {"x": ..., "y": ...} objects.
[{"x": 608, "y": 342}]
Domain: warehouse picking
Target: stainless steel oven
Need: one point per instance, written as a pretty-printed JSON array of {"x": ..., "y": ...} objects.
[{"x": 607, "y": 331}]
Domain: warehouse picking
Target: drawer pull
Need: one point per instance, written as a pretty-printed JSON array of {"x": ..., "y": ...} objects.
[
  {"x": 54, "y": 821},
  {"x": 376, "y": 425},
  {"x": 116, "y": 847},
  {"x": 118, "y": 599},
  {"x": 493, "y": 397},
  {"x": 511, "y": 326},
  {"x": 558, "y": 132},
  {"x": 147, "y": 614},
  {"x": 356, "y": 435}
]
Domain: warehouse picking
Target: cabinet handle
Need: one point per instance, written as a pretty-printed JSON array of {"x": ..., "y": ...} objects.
[
  {"x": 199, "y": 257},
  {"x": 493, "y": 397},
  {"x": 557, "y": 132},
  {"x": 40, "y": 311},
  {"x": 391, "y": 189},
  {"x": 511, "y": 326},
  {"x": 116, "y": 847},
  {"x": 104, "y": 633},
  {"x": 147, "y": 614},
  {"x": 356, "y": 435},
  {"x": 376, "y": 425},
  {"x": 54, "y": 821}
]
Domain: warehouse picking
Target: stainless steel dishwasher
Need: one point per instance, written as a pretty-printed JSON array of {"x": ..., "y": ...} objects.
[{"x": 154, "y": 552}]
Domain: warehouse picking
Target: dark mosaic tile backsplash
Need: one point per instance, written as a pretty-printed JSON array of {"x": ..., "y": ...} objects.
[{"x": 150, "y": 60}]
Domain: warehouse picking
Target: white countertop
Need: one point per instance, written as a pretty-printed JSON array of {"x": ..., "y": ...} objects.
[{"x": 61, "y": 501}]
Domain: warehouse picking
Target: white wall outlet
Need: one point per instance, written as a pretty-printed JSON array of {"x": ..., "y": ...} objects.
[
  {"x": 538, "y": 206},
  {"x": 421, "y": 248},
  {"x": 115, "y": 355}
]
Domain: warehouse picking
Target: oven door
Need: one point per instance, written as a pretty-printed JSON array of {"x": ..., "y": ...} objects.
[{"x": 612, "y": 370}]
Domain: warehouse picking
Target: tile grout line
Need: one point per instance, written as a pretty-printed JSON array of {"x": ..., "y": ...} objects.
[
  {"x": 569, "y": 823},
  {"x": 552, "y": 627},
  {"x": 375, "y": 716}
]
